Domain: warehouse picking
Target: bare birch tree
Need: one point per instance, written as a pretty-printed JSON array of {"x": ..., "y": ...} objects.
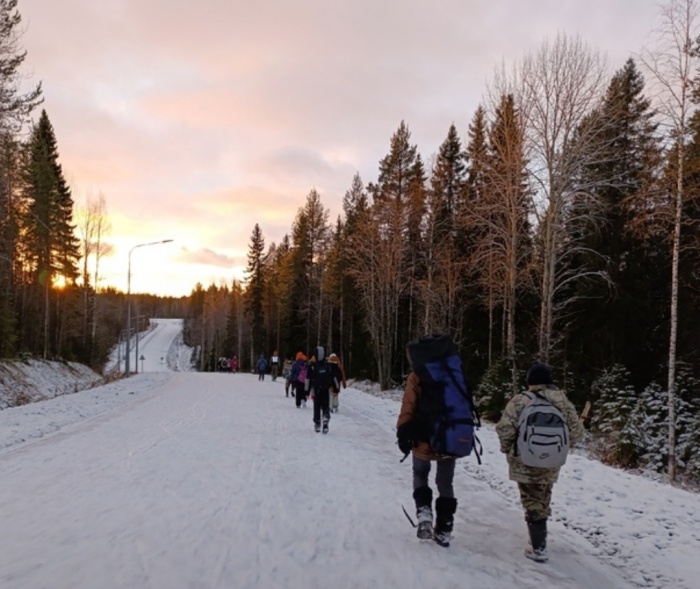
[
  {"x": 92, "y": 224},
  {"x": 377, "y": 265},
  {"x": 671, "y": 64},
  {"x": 556, "y": 89}
]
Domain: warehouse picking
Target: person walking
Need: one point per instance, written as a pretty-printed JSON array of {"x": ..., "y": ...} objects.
[
  {"x": 335, "y": 392},
  {"x": 323, "y": 376},
  {"x": 297, "y": 378},
  {"x": 274, "y": 365},
  {"x": 262, "y": 367},
  {"x": 286, "y": 372},
  {"x": 420, "y": 414},
  {"x": 535, "y": 483}
]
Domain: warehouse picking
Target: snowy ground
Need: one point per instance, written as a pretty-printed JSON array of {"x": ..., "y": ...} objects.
[{"x": 184, "y": 480}]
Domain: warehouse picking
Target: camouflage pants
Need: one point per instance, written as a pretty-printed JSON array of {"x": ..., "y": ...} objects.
[{"x": 536, "y": 498}]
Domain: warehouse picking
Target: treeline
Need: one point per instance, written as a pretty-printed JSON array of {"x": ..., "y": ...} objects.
[{"x": 564, "y": 228}]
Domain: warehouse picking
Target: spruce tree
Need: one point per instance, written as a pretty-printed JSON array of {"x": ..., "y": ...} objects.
[
  {"x": 355, "y": 349},
  {"x": 52, "y": 248},
  {"x": 444, "y": 266},
  {"x": 614, "y": 418},
  {"x": 608, "y": 315}
]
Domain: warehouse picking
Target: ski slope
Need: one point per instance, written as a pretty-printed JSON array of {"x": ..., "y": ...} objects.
[
  {"x": 158, "y": 349},
  {"x": 173, "y": 479}
]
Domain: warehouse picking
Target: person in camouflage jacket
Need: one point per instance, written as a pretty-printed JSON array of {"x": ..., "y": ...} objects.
[{"x": 535, "y": 484}]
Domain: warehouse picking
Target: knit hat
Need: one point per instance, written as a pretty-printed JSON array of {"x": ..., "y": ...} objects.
[
  {"x": 301, "y": 356},
  {"x": 333, "y": 358},
  {"x": 538, "y": 373}
]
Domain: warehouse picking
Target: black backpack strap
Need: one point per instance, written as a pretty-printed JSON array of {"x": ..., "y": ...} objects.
[{"x": 478, "y": 449}]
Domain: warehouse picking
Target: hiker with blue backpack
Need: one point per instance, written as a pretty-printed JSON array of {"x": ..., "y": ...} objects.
[
  {"x": 536, "y": 430},
  {"x": 436, "y": 424}
]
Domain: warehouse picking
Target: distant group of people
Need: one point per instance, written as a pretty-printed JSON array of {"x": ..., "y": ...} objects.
[
  {"x": 228, "y": 364},
  {"x": 319, "y": 378}
]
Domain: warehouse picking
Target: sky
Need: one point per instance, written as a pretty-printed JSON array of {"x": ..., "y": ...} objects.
[
  {"x": 185, "y": 480},
  {"x": 197, "y": 120}
]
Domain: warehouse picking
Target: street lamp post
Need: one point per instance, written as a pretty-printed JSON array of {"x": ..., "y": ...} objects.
[{"x": 128, "y": 304}]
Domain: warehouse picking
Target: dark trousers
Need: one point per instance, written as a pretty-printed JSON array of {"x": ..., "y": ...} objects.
[
  {"x": 445, "y": 472},
  {"x": 299, "y": 392},
  {"x": 321, "y": 399}
]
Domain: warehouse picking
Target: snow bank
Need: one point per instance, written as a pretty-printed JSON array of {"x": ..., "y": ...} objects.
[{"x": 23, "y": 382}]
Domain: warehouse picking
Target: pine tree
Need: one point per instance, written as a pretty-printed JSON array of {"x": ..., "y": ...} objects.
[{"x": 255, "y": 290}]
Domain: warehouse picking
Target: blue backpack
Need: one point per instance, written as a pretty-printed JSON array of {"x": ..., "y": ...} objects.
[{"x": 447, "y": 416}]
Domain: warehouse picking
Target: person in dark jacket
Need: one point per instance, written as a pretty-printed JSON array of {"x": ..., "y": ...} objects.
[
  {"x": 535, "y": 484},
  {"x": 262, "y": 367},
  {"x": 335, "y": 393},
  {"x": 323, "y": 376}
]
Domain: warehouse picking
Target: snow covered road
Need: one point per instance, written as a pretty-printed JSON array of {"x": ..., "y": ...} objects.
[
  {"x": 218, "y": 481},
  {"x": 182, "y": 480}
]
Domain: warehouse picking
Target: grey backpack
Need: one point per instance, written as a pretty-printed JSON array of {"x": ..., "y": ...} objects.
[{"x": 543, "y": 436}]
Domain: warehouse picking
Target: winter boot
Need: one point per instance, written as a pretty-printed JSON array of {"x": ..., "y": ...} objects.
[
  {"x": 325, "y": 425},
  {"x": 317, "y": 427},
  {"x": 423, "y": 496},
  {"x": 445, "y": 508},
  {"x": 537, "y": 549}
]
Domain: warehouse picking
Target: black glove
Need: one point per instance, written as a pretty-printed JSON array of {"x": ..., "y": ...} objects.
[
  {"x": 406, "y": 435},
  {"x": 405, "y": 445}
]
